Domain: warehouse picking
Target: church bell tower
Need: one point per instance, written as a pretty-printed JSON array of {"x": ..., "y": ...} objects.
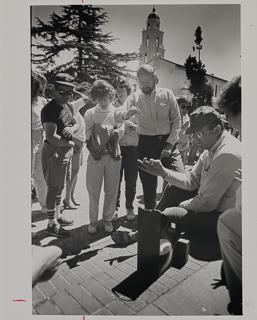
[{"x": 152, "y": 39}]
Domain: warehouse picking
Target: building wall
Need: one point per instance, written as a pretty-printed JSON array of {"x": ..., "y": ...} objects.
[
  {"x": 173, "y": 76},
  {"x": 170, "y": 76}
]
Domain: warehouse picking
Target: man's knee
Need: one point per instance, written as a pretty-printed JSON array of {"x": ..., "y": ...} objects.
[
  {"x": 230, "y": 220},
  {"x": 170, "y": 197}
]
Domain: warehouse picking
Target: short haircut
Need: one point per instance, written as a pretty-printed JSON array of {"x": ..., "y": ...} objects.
[
  {"x": 145, "y": 69},
  {"x": 184, "y": 99},
  {"x": 101, "y": 89},
  {"x": 122, "y": 82},
  {"x": 229, "y": 99}
]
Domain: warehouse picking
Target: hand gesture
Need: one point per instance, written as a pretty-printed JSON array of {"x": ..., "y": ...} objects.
[
  {"x": 131, "y": 112},
  {"x": 152, "y": 166}
]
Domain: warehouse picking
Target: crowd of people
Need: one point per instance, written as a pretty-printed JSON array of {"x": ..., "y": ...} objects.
[{"x": 147, "y": 133}]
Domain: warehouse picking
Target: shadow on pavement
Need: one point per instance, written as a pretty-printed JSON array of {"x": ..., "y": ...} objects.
[
  {"x": 73, "y": 262},
  {"x": 79, "y": 238},
  {"x": 133, "y": 286}
]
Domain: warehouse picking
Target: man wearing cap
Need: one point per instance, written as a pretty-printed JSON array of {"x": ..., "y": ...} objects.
[
  {"x": 59, "y": 124},
  {"x": 158, "y": 127},
  {"x": 195, "y": 200}
]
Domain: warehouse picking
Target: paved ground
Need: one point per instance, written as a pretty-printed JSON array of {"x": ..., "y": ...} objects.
[{"x": 96, "y": 277}]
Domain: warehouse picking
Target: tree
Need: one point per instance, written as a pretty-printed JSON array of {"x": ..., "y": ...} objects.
[
  {"x": 196, "y": 73},
  {"x": 78, "y": 30}
]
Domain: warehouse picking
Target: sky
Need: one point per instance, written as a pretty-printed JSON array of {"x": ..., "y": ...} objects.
[{"x": 220, "y": 26}]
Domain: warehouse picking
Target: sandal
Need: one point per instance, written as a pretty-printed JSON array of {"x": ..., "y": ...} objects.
[
  {"x": 70, "y": 205},
  {"x": 122, "y": 238},
  {"x": 75, "y": 202}
]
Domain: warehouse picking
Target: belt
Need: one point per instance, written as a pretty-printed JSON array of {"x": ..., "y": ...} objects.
[{"x": 159, "y": 137}]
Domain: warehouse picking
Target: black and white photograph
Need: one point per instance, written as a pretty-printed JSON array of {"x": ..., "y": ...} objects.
[{"x": 128, "y": 151}]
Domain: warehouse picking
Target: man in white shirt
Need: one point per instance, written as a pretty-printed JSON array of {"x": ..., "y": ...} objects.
[{"x": 158, "y": 127}]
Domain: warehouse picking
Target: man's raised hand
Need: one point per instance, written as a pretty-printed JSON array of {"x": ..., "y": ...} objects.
[{"x": 152, "y": 166}]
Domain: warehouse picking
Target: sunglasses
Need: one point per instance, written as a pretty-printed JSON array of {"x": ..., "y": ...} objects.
[
  {"x": 65, "y": 93},
  {"x": 183, "y": 106}
]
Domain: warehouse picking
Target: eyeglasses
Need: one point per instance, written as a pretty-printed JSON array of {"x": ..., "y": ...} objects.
[
  {"x": 145, "y": 83},
  {"x": 183, "y": 106},
  {"x": 65, "y": 93},
  {"x": 200, "y": 134}
]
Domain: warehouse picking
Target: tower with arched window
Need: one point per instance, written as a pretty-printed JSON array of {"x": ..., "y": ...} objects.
[{"x": 152, "y": 39}]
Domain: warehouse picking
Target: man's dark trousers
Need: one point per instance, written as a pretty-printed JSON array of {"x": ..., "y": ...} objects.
[
  {"x": 151, "y": 147},
  {"x": 129, "y": 166},
  {"x": 201, "y": 223}
]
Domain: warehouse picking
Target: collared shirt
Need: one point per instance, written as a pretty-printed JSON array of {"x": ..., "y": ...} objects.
[
  {"x": 130, "y": 137},
  {"x": 213, "y": 175},
  {"x": 159, "y": 113}
]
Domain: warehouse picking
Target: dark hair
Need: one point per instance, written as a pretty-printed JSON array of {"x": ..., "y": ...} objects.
[
  {"x": 229, "y": 99},
  {"x": 122, "y": 82},
  {"x": 184, "y": 99},
  {"x": 101, "y": 89}
]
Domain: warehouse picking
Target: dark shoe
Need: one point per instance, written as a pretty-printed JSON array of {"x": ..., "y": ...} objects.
[
  {"x": 57, "y": 231},
  {"x": 64, "y": 222},
  {"x": 69, "y": 205},
  {"x": 122, "y": 238}
]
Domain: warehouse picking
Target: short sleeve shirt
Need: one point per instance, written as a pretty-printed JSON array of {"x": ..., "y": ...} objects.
[{"x": 62, "y": 116}]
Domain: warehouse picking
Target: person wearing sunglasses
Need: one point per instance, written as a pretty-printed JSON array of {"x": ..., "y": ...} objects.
[{"x": 59, "y": 124}]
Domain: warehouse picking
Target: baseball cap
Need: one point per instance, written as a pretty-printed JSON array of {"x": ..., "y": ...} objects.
[
  {"x": 202, "y": 116},
  {"x": 65, "y": 79}
]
